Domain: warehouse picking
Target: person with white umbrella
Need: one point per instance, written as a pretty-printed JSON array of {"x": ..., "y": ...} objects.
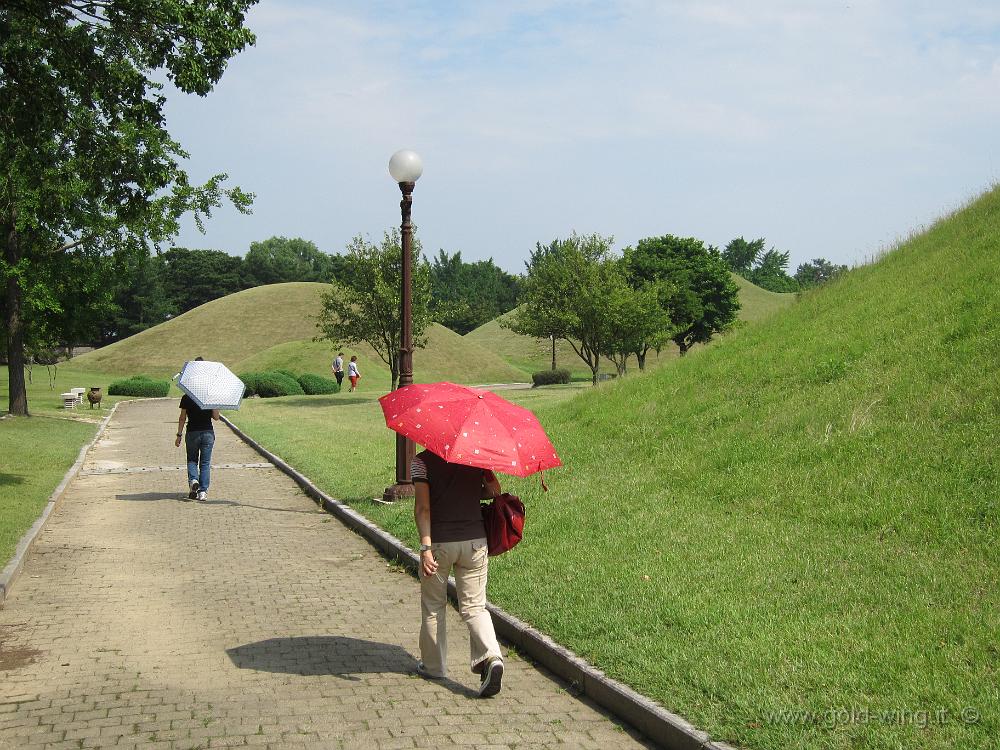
[{"x": 199, "y": 442}]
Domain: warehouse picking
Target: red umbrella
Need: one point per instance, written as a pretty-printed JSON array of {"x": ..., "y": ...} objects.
[{"x": 470, "y": 426}]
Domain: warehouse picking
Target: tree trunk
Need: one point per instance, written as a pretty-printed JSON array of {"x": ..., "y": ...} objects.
[
  {"x": 14, "y": 320},
  {"x": 553, "y": 352},
  {"x": 593, "y": 371}
]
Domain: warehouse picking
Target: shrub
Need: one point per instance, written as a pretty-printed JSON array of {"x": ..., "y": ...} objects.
[
  {"x": 139, "y": 385},
  {"x": 550, "y": 377},
  {"x": 270, "y": 384},
  {"x": 288, "y": 373},
  {"x": 315, "y": 385}
]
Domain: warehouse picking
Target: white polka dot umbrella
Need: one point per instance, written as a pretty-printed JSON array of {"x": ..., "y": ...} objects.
[
  {"x": 470, "y": 426},
  {"x": 212, "y": 385}
]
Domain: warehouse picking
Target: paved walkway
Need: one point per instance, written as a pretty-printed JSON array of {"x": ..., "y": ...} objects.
[{"x": 251, "y": 620}]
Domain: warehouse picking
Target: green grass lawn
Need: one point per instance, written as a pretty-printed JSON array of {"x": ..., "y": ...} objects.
[
  {"x": 36, "y": 452},
  {"x": 790, "y": 527}
]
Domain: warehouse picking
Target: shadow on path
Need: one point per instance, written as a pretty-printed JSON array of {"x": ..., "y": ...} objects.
[
  {"x": 180, "y": 496},
  {"x": 335, "y": 655}
]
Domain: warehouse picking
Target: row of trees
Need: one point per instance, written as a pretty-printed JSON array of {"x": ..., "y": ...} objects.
[
  {"x": 665, "y": 289},
  {"x": 769, "y": 268}
]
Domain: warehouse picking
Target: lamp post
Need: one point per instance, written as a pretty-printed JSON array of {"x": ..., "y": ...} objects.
[{"x": 405, "y": 167}]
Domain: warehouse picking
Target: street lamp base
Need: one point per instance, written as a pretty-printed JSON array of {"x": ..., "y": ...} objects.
[{"x": 397, "y": 492}]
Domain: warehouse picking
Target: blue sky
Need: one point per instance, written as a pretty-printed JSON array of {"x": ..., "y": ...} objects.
[{"x": 830, "y": 129}]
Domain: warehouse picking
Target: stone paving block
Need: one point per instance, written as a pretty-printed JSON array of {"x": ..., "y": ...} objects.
[{"x": 164, "y": 623}]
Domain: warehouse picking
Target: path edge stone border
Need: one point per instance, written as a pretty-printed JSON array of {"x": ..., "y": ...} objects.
[
  {"x": 12, "y": 571},
  {"x": 667, "y": 729}
]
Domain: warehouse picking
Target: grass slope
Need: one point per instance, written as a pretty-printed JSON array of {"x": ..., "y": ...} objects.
[
  {"x": 229, "y": 330},
  {"x": 803, "y": 517},
  {"x": 531, "y": 355},
  {"x": 447, "y": 356}
]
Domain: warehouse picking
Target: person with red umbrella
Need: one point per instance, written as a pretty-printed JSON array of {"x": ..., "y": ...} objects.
[
  {"x": 468, "y": 433},
  {"x": 452, "y": 536}
]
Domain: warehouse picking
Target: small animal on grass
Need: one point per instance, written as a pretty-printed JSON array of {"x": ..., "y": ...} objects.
[{"x": 94, "y": 397}]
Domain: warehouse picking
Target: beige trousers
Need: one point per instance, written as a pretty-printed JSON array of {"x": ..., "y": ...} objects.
[{"x": 470, "y": 561}]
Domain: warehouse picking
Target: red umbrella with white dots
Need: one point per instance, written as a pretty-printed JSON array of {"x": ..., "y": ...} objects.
[{"x": 470, "y": 426}]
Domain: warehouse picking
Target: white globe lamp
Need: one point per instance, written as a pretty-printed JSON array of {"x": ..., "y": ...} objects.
[{"x": 406, "y": 166}]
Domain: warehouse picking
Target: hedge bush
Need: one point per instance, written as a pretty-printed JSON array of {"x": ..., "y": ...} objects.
[
  {"x": 270, "y": 384},
  {"x": 288, "y": 373},
  {"x": 316, "y": 385},
  {"x": 139, "y": 385},
  {"x": 550, "y": 377}
]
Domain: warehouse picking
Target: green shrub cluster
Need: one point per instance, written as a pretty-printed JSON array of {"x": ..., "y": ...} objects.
[
  {"x": 270, "y": 384},
  {"x": 140, "y": 385},
  {"x": 550, "y": 377},
  {"x": 317, "y": 385}
]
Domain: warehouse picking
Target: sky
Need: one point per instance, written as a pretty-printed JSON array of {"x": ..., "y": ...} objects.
[{"x": 830, "y": 129}]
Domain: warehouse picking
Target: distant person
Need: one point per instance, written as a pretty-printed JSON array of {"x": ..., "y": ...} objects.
[
  {"x": 338, "y": 368},
  {"x": 199, "y": 443},
  {"x": 452, "y": 535},
  {"x": 353, "y": 374}
]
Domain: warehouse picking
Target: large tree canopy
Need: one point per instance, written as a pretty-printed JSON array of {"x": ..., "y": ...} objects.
[
  {"x": 90, "y": 173},
  {"x": 704, "y": 300},
  {"x": 280, "y": 259},
  {"x": 466, "y": 295}
]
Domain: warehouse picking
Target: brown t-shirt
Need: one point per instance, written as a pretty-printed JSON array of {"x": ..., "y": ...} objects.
[{"x": 455, "y": 492}]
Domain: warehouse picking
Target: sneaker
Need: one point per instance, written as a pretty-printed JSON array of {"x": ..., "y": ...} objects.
[
  {"x": 202, "y": 496},
  {"x": 422, "y": 672},
  {"x": 194, "y": 490},
  {"x": 492, "y": 677}
]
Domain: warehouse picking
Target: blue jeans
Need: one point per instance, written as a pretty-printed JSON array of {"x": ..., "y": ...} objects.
[{"x": 199, "y": 454}]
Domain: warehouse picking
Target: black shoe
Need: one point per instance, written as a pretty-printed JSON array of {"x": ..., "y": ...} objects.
[
  {"x": 194, "y": 490},
  {"x": 492, "y": 677}
]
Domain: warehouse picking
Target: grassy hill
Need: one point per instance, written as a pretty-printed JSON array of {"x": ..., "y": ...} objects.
[
  {"x": 803, "y": 517},
  {"x": 229, "y": 329},
  {"x": 531, "y": 355},
  {"x": 272, "y": 326},
  {"x": 788, "y": 537}
]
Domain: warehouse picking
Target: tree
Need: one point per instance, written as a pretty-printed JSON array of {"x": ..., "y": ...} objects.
[
  {"x": 741, "y": 256},
  {"x": 89, "y": 169},
  {"x": 280, "y": 259},
  {"x": 765, "y": 269},
  {"x": 141, "y": 302},
  {"x": 816, "y": 272},
  {"x": 365, "y": 307},
  {"x": 563, "y": 296},
  {"x": 466, "y": 295},
  {"x": 703, "y": 299},
  {"x": 637, "y": 319},
  {"x": 194, "y": 277}
]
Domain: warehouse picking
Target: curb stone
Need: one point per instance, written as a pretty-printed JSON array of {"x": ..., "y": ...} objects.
[
  {"x": 663, "y": 727},
  {"x": 12, "y": 571}
]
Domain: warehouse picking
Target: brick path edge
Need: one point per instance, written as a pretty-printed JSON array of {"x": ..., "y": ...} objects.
[
  {"x": 663, "y": 727},
  {"x": 12, "y": 570}
]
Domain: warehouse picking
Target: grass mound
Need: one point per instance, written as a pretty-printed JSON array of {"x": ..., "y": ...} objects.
[{"x": 804, "y": 516}]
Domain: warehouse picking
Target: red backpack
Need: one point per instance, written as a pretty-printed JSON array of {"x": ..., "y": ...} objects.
[{"x": 504, "y": 521}]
